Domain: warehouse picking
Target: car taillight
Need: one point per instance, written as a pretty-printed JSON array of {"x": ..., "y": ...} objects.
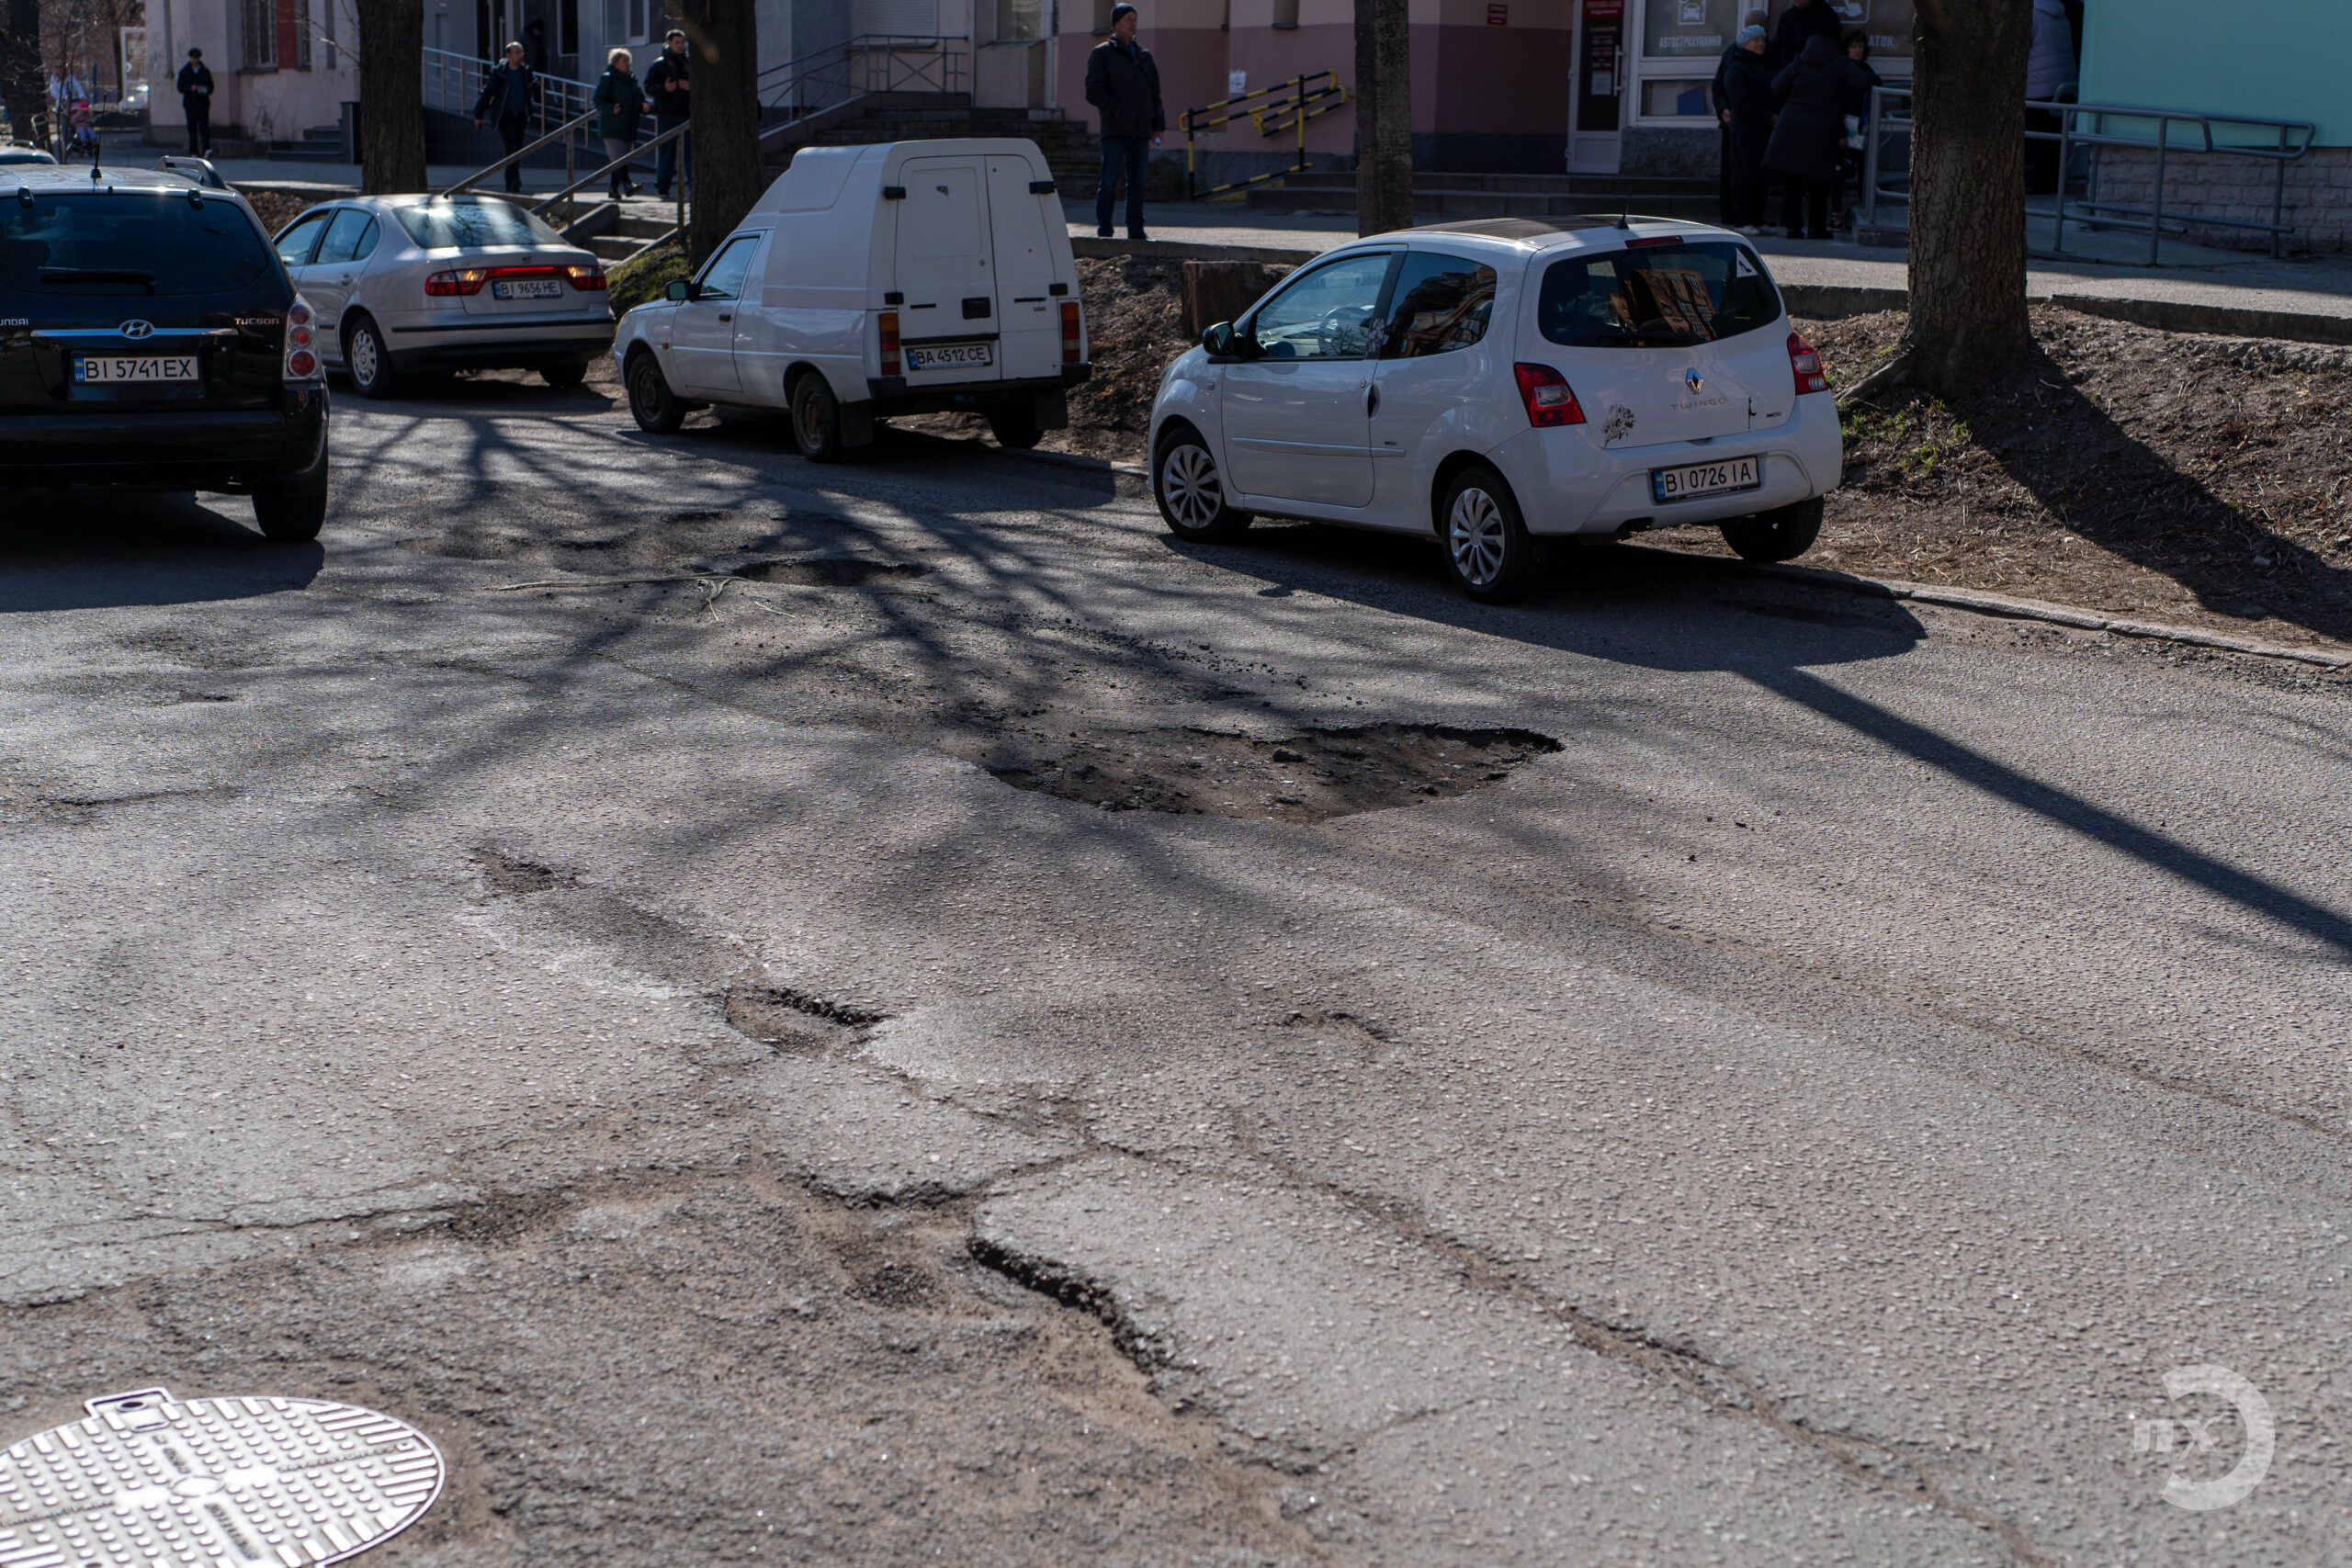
[
  {"x": 889, "y": 322},
  {"x": 591, "y": 277},
  {"x": 466, "y": 280},
  {"x": 1546, "y": 393},
  {"x": 1071, "y": 326},
  {"x": 1806, "y": 361},
  {"x": 302, "y": 365}
]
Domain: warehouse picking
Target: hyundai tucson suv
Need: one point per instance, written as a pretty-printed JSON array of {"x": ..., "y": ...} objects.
[
  {"x": 150, "y": 338},
  {"x": 1505, "y": 383}
]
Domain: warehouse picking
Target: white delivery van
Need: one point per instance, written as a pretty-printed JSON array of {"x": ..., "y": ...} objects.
[{"x": 909, "y": 277}]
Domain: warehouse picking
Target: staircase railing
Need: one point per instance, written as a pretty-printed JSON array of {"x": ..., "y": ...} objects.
[
  {"x": 454, "y": 82},
  {"x": 631, "y": 156},
  {"x": 1285, "y": 105},
  {"x": 871, "y": 62}
]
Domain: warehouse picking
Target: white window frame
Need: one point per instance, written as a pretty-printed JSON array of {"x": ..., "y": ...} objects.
[{"x": 1641, "y": 71}]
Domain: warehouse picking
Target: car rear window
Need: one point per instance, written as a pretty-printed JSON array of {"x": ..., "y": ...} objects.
[
  {"x": 456, "y": 225},
  {"x": 129, "y": 242},
  {"x": 1657, "y": 296}
]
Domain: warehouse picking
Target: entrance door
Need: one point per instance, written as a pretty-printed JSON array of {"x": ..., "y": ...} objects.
[{"x": 1594, "y": 137}]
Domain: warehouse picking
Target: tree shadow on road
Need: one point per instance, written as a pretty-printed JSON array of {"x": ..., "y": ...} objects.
[{"x": 79, "y": 549}]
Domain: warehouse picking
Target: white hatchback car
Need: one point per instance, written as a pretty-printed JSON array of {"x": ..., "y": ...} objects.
[
  {"x": 1505, "y": 382},
  {"x": 407, "y": 285}
]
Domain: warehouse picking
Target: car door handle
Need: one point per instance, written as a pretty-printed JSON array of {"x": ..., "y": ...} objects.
[
  {"x": 1371, "y": 400},
  {"x": 725, "y": 316},
  {"x": 345, "y": 280}
]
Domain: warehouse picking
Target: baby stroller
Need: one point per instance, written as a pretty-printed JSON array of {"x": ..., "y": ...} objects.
[{"x": 81, "y": 130}]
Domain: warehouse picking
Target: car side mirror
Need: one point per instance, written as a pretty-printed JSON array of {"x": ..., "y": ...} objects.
[
  {"x": 681, "y": 288},
  {"x": 1225, "y": 341}
]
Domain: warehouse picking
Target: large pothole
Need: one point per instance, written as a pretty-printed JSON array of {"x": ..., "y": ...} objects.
[{"x": 1309, "y": 776}]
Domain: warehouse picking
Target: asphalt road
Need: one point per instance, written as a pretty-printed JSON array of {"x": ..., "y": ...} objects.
[{"x": 553, "y": 962}]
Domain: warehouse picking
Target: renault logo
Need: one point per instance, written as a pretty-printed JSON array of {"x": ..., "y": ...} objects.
[
  {"x": 138, "y": 329},
  {"x": 1693, "y": 379}
]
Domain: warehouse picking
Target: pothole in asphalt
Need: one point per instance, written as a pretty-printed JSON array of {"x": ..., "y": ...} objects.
[
  {"x": 791, "y": 1019},
  {"x": 1310, "y": 777},
  {"x": 512, "y": 876},
  {"x": 832, "y": 571}
]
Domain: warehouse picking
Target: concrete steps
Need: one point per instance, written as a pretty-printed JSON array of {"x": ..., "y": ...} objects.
[{"x": 320, "y": 144}]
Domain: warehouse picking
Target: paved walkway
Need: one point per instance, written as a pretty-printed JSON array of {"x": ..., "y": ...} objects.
[{"x": 2241, "y": 280}]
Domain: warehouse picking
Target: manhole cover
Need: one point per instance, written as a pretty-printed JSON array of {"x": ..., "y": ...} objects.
[{"x": 152, "y": 1481}]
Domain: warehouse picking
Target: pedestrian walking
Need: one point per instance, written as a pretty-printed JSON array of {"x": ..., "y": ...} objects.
[
  {"x": 1747, "y": 126},
  {"x": 1858, "y": 120},
  {"x": 1725, "y": 184},
  {"x": 195, "y": 86},
  {"x": 1803, "y": 148},
  {"x": 669, "y": 87},
  {"x": 2050, "y": 72},
  {"x": 1803, "y": 19},
  {"x": 1122, "y": 84},
  {"x": 620, "y": 106},
  {"x": 507, "y": 94}
]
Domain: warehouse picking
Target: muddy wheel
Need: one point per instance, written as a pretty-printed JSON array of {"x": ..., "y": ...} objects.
[
  {"x": 816, "y": 419},
  {"x": 1190, "y": 491},
  {"x": 655, "y": 408},
  {"x": 1782, "y": 534},
  {"x": 1494, "y": 557}
]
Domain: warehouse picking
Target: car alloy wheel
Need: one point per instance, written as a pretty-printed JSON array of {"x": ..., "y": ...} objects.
[
  {"x": 1189, "y": 483},
  {"x": 1477, "y": 535}
]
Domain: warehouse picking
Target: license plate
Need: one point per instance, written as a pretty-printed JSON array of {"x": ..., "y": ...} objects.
[
  {"x": 951, "y": 356},
  {"x": 527, "y": 288},
  {"x": 151, "y": 369},
  {"x": 1706, "y": 478}
]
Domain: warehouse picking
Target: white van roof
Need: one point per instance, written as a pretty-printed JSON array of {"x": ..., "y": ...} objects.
[{"x": 820, "y": 176}]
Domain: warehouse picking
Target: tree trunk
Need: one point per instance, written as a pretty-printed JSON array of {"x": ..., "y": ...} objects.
[
  {"x": 1967, "y": 241},
  {"x": 391, "y": 96},
  {"x": 723, "y": 35},
  {"x": 1383, "y": 117},
  {"x": 20, "y": 74}
]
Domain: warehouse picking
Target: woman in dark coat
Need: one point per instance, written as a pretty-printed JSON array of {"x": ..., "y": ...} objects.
[
  {"x": 1747, "y": 97},
  {"x": 1805, "y": 141}
]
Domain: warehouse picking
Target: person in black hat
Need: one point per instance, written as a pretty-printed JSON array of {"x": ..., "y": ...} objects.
[
  {"x": 1123, "y": 84},
  {"x": 196, "y": 101}
]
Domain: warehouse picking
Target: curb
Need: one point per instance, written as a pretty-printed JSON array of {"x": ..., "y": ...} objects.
[
  {"x": 1185, "y": 250},
  {"x": 2003, "y": 606},
  {"x": 2178, "y": 316}
]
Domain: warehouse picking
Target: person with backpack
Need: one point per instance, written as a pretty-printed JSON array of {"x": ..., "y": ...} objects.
[{"x": 507, "y": 94}]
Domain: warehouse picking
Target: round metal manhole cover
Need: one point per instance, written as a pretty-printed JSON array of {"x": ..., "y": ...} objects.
[{"x": 152, "y": 1481}]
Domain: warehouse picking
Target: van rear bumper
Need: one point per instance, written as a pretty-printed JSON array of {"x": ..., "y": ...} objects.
[{"x": 889, "y": 395}]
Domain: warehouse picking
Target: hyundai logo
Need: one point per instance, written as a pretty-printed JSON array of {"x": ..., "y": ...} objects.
[
  {"x": 138, "y": 329},
  {"x": 1693, "y": 379}
]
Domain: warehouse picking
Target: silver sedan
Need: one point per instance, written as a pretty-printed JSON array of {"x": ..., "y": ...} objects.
[{"x": 411, "y": 285}]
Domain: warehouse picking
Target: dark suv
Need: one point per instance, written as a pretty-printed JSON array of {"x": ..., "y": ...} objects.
[{"x": 150, "y": 337}]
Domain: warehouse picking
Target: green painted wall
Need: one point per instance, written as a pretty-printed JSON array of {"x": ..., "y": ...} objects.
[{"x": 2278, "y": 58}]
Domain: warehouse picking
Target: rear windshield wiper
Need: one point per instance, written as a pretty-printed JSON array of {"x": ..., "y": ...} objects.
[{"x": 97, "y": 275}]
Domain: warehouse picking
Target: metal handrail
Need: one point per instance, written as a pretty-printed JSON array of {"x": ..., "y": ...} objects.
[
  {"x": 631, "y": 156},
  {"x": 1302, "y": 104},
  {"x": 2293, "y": 140},
  {"x": 558, "y": 133},
  {"x": 458, "y": 79},
  {"x": 870, "y": 63}
]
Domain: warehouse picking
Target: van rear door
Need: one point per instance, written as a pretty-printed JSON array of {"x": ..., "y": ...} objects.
[
  {"x": 949, "y": 324},
  {"x": 1029, "y": 325}
]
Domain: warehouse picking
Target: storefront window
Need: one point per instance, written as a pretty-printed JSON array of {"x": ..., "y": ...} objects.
[
  {"x": 1681, "y": 41},
  {"x": 1687, "y": 30}
]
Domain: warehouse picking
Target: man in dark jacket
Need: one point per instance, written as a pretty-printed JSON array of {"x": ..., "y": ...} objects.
[
  {"x": 506, "y": 95},
  {"x": 1123, "y": 84},
  {"x": 196, "y": 101},
  {"x": 1724, "y": 204},
  {"x": 669, "y": 86},
  {"x": 1747, "y": 90},
  {"x": 1804, "y": 150},
  {"x": 1802, "y": 20}
]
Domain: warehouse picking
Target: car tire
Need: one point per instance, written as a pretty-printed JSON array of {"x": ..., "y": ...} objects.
[
  {"x": 370, "y": 363},
  {"x": 655, "y": 408},
  {"x": 1494, "y": 557},
  {"x": 563, "y": 378},
  {"x": 1189, "y": 488},
  {"x": 1014, "y": 424},
  {"x": 288, "y": 519},
  {"x": 1782, "y": 534},
  {"x": 816, "y": 419}
]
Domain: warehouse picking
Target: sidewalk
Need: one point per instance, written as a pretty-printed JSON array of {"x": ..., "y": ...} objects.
[{"x": 2229, "y": 280}]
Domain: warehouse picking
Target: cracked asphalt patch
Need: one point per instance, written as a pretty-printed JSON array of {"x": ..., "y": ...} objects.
[{"x": 708, "y": 1370}]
